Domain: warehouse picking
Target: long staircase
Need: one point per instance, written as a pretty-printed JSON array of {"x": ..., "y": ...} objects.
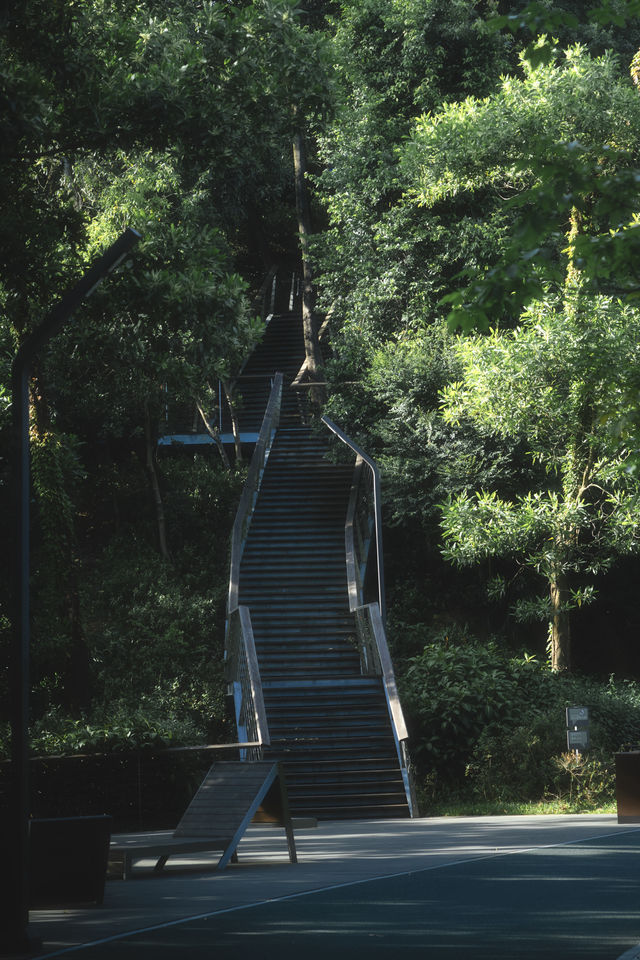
[{"x": 309, "y": 688}]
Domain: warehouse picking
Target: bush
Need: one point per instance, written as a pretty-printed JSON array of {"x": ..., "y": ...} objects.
[
  {"x": 516, "y": 763},
  {"x": 585, "y": 780},
  {"x": 112, "y": 730},
  {"x": 491, "y": 727},
  {"x": 451, "y": 694},
  {"x": 156, "y": 641}
]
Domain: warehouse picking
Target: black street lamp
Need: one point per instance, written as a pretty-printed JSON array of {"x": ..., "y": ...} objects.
[{"x": 14, "y": 937}]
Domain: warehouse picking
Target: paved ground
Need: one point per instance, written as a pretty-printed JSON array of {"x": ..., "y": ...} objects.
[{"x": 442, "y": 889}]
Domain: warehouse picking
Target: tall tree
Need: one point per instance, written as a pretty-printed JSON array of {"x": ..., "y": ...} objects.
[{"x": 552, "y": 382}]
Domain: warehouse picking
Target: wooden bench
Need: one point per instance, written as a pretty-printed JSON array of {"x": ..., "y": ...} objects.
[{"x": 232, "y": 795}]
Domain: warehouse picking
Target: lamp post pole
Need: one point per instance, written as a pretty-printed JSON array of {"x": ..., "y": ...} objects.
[{"x": 15, "y": 904}]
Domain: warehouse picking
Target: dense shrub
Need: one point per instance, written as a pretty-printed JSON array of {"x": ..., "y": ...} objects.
[
  {"x": 492, "y": 727},
  {"x": 451, "y": 694},
  {"x": 517, "y": 762},
  {"x": 152, "y": 630},
  {"x": 112, "y": 729}
]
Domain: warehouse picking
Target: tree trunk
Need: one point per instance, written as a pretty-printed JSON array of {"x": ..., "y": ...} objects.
[
  {"x": 309, "y": 325},
  {"x": 152, "y": 473},
  {"x": 235, "y": 425},
  {"x": 573, "y": 277},
  {"x": 214, "y": 433},
  {"x": 559, "y": 627}
]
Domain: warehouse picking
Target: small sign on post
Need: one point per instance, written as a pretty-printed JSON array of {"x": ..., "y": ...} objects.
[{"x": 577, "y": 729}]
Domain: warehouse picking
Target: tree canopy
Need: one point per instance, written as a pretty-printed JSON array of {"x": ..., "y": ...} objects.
[
  {"x": 552, "y": 381},
  {"x": 176, "y": 120},
  {"x": 481, "y": 207}
]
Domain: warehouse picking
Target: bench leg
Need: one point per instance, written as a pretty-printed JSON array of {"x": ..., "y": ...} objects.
[
  {"x": 291, "y": 843},
  {"x": 115, "y": 867}
]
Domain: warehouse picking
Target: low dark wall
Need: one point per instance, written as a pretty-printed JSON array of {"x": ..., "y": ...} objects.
[{"x": 140, "y": 791}]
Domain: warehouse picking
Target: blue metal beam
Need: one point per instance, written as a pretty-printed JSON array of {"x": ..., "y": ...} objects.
[{"x": 191, "y": 439}]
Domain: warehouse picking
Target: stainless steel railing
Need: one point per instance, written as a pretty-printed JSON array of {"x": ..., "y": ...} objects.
[
  {"x": 241, "y": 661},
  {"x": 363, "y": 541}
]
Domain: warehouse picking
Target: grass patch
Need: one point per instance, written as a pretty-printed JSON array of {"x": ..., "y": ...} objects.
[{"x": 486, "y": 808}]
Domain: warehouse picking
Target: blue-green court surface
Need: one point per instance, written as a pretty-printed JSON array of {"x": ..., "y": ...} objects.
[{"x": 491, "y": 888}]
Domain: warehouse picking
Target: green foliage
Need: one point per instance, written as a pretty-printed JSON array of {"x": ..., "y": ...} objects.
[
  {"x": 154, "y": 631},
  {"x": 117, "y": 761},
  {"x": 56, "y": 471},
  {"x": 492, "y": 728},
  {"x": 380, "y": 260},
  {"x": 149, "y": 727},
  {"x": 495, "y": 175},
  {"x": 442, "y": 151},
  {"x": 180, "y": 319},
  {"x": 607, "y": 24},
  {"x": 174, "y": 119},
  {"x": 554, "y": 382},
  {"x": 451, "y": 693},
  {"x": 571, "y": 150},
  {"x": 173, "y": 122},
  {"x": 522, "y": 764},
  {"x": 591, "y": 780},
  {"x": 518, "y": 762},
  {"x": 560, "y": 139},
  {"x": 422, "y": 458},
  {"x": 201, "y": 501}
]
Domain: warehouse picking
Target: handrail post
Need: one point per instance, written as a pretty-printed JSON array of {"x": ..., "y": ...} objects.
[{"x": 262, "y": 728}]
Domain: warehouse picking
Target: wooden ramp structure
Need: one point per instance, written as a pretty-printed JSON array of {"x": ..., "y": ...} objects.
[{"x": 232, "y": 795}]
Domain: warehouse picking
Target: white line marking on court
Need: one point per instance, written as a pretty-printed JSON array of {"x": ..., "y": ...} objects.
[{"x": 334, "y": 886}]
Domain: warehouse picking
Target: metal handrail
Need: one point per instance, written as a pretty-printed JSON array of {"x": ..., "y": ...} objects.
[
  {"x": 370, "y": 617},
  {"x": 377, "y": 654},
  {"x": 252, "y": 483},
  {"x": 376, "y": 661},
  {"x": 267, "y": 291},
  {"x": 377, "y": 509},
  {"x": 243, "y": 671}
]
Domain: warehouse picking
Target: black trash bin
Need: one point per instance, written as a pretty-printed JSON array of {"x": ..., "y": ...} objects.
[
  {"x": 628, "y": 786},
  {"x": 68, "y": 860}
]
